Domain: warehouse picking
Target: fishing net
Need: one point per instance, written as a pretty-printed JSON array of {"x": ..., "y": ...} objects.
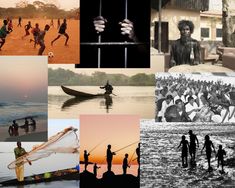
[{"x": 65, "y": 141}]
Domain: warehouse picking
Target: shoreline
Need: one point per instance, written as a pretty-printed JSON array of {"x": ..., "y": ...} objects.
[{"x": 40, "y": 134}]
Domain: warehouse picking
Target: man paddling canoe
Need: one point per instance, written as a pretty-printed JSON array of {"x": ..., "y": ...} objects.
[
  {"x": 108, "y": 88},
  {"x": 19, "y": 151}
]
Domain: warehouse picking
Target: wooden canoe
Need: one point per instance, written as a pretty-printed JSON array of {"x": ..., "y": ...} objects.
[
  {"x": 67, "y": 174},
  {"x": 80, "y": 94}
]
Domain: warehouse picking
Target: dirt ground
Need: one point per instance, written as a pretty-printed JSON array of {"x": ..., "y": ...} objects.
[{"x": 70, "y": 54}]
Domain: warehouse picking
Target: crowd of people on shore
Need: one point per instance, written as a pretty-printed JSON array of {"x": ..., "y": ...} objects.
[{"x": 181, "y": 99}]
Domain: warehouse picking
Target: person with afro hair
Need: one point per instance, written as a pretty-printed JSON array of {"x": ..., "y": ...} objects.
[{"x": 185, "y": 50}]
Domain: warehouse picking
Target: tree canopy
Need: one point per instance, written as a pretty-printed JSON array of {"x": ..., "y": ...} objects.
[
  {"x": 66, "y": 77},
  {"x": 38, "y": 9}
]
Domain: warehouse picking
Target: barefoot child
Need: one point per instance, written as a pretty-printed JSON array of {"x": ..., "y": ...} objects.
[
  {"x": 220, "y": 154},
  {"x": 35, "y": 31},
  {"x": 3, "y": 33},
  {"x": 62, "y": 30},
  {"x": 184, "y": 155},
  {"x": 209, "y": 145},
  {"x": 27, "y": 27},
  {"x": 41, "y": 39},
  {"x": 10, "y": 26}
]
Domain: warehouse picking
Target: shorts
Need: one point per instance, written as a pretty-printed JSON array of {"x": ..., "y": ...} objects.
[{"x": 27, "y": 32}]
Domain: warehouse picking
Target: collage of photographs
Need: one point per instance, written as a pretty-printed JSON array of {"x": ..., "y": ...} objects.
[{"x": 117, "y": 94}]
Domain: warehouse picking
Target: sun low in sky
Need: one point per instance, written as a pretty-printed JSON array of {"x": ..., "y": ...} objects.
[
  {"x": 122, "y": 132},
  {"x": 23, "y": 79}
]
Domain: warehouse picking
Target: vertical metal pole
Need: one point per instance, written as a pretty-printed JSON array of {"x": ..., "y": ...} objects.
[
  {"x": 126, "y": 6},
  {"x": 99, "y": 37},
  {"x": 160, "y": 26}
]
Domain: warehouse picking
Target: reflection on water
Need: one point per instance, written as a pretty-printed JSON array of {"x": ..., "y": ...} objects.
[
  {"x": 161, "y": 160},
  {"x": 127, "y": 100}
]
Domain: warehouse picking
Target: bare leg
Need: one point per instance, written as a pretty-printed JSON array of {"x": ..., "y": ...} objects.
[
  {"x": 41, "y": 50},
  {"x": 186, "y": 159},
  {"x": 67, "y": 38},
  {"x": 2, "y": 43},
  {"x": 55, "y": 39},
  {"x": 209, "y": 162}
]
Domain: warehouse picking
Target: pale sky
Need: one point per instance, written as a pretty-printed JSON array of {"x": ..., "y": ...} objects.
[
  {"x": 128, "y": 72},
  {"x": 23, "y": 78},
  {"x": 63, "y": 4},
  {"x": 101, "y": 130}
]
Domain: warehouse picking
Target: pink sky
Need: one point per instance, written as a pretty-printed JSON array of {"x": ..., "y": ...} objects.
[
  {"x": 23, "y": 78},
  {"x": 117, "y": 130}
]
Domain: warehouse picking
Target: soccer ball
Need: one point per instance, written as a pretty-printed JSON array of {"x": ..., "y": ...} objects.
[{"x": 50, "y": 54}]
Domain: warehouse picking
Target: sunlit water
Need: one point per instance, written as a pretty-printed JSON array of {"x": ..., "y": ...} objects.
[
  {"x": 127, "y": 100},
  {"x": 161, "y": 160}
]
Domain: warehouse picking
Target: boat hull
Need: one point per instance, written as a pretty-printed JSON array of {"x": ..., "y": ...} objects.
[
  {"x": 67, "y": 174},
  {"x": 80, "y": 94}
]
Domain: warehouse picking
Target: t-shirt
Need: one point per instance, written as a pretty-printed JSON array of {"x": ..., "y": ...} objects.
[
  {"x": 63, "y": 27},
  {"x": 41, "y": 36},
  {"x": 164, "y": 107},
  {"x": 3, "y": 31},
  {"x": 19, "y": 152},
  {"x": 189, "y": 107},
  {"x": 178, "y": 97}
]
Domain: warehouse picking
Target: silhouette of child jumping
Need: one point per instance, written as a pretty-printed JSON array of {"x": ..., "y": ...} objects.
[{"x": 184, "y": 155}]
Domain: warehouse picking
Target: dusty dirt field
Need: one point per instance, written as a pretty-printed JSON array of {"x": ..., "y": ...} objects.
[{"x": 70, "y": 54}]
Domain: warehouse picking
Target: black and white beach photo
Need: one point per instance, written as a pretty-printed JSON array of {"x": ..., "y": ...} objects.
[{"x": 168, "y": 161}]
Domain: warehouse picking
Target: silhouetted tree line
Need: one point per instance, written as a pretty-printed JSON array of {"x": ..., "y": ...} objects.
[
  {"x": 38, "y": 9},
  {"x": 66, "y": 77}
]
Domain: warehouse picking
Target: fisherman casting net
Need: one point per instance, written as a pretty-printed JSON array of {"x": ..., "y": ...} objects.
[{"x": 65, "y": 141}]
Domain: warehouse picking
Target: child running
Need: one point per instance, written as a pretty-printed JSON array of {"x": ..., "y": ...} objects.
[
  {"x": 10, "y": 26},
  {"x": 62, "y": 30},
  {"x": 209, "y": 145},
  {"x": 41, "y": 39},
  {"x": 184, "y": 155},
  {"x": 35, "y": 31},
  {"x": 220, "y": 154},
  {"x": 27, "y": 27},
  {"x": 3, "y": 33}
]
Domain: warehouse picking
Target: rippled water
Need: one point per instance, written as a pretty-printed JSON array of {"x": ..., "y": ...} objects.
[{"x": 161, "y": 160}]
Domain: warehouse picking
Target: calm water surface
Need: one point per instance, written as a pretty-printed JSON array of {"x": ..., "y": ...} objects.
[
  {"x": 52, "y": 163},
  {"x": 128, "y": 100}
]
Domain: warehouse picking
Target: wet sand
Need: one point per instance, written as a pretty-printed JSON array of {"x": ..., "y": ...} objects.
[
  {"x": 40, "y": 134},
  {"x": 161, "y": 160}
]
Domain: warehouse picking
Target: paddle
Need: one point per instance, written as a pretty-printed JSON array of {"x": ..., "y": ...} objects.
[{"x": 113, "y": 94}]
